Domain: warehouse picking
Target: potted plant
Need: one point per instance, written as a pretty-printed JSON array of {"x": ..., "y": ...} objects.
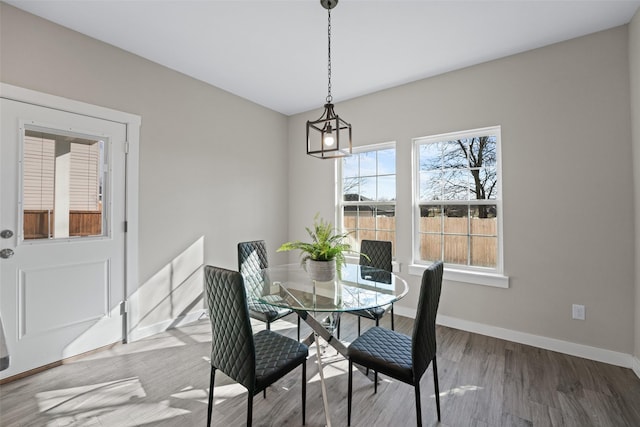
[{"x": 324, "y": 255}]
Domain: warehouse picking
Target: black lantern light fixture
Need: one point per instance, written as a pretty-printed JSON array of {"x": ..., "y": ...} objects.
[{"x": 329, "y": 137}]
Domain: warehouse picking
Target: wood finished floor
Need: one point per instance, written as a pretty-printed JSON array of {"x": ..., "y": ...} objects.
[{"x": 163, "y": 381}]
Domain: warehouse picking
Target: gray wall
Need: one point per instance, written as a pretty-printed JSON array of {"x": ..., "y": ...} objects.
[
  {"x": 201, "y": 187},
  {"x": 634, "y": 67},
  {"x": 567, "y": 182}
]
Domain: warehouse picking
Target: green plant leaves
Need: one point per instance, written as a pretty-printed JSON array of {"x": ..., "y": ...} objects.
[{"x": 325, "y": 244}]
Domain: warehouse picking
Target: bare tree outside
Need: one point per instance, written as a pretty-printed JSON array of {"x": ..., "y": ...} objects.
[
  {"x": 462, "y": 169},
  {"x": 350, "y": 186}
]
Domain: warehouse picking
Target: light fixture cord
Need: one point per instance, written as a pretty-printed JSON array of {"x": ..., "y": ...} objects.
[{"x": 329, "y": 97}]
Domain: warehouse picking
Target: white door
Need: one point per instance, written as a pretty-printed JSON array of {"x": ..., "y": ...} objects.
[{"x": 62, "y": 233}]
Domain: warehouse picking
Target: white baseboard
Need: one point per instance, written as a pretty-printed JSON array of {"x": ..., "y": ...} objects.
[
  {"x": 553, "y": 344},
  {"x": 636, "y": 366},
  {"x": 147, "y": 331},
  {"x": 574, "y": 349}
]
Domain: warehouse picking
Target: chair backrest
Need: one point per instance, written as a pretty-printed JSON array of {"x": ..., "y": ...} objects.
[
  {"x": 379, "y": 257},
  {"x": 252, "y": 258},
  {"x": 232, "y": 346},
  {"x": 379, "y": 253},
  {"x": 423, "y": 344}
]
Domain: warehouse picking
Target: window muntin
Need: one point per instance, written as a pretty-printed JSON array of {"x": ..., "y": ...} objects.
[
  {"x": 458, "y": 205},
  {"x": 368, "y": 194}
]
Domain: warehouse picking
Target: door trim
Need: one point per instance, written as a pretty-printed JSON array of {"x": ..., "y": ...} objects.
[{"x": 132, "y": 123}]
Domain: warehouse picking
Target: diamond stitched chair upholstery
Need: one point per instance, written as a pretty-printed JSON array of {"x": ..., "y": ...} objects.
[
  {"x": 379, "y": 253},
  {"x": 252, "y": 258},
  {"x": 400, "y": 356},
  {"x": 254, "y": 361}
]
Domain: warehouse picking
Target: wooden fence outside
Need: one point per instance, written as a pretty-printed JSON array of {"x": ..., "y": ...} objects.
[
  {"x": 38, "y": 224},
  {"x": 467, "y": 242}
]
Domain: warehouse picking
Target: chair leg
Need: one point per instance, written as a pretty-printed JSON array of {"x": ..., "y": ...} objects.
[
  {"x": 298, "y": 328},
  {"x": 304, "y": 390},
  {"x": 338, "y": 329},
  {"x": 350, "y": 389},
  {"x": 436, "y": 386},
  {"x": 211, "y": 384},
  {"x": 392, "y": 322},
  {"x": 249, "y": 408},
  {"x": 375, "y": 382},
  {"x": 418, "y": 409},
  {"x": 264, "y": 392}
]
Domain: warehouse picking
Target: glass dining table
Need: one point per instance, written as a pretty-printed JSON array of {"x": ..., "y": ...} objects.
[{"x": 320, "y": 304}]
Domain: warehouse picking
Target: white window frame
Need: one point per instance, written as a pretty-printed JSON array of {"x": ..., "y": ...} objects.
[
  {"x": 457, "y": 272},
  {"x": 340, "y": 198}
]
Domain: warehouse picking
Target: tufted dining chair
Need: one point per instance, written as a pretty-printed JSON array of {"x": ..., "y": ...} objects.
[
  {"x": 400, "y": 356},
  {"x": 254, "y": 361},
  {"x": 252, "y": 259},
  {"x": 378, "y": 255}
]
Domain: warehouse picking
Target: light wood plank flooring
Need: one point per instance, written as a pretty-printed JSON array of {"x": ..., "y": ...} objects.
[{"x": 163, "y": 381}]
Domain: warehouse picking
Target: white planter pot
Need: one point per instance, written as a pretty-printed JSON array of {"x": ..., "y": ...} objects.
[{"x": 321, "y": 271}]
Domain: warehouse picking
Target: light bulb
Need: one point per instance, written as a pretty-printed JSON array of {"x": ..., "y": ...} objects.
[
  {"x": 328, "y": 140},
  {"x": 328, "y": 136}
]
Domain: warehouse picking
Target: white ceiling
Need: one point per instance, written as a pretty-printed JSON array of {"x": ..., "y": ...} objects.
[{"x": 275, "y": 52}]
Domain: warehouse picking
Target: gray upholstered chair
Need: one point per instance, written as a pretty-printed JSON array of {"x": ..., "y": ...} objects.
[
  {"x": 400, "y": 356},
  {"x": 378, "y": 255},
  {"x": 254, "y": 361},
  {"x": 252, "y": 259}
]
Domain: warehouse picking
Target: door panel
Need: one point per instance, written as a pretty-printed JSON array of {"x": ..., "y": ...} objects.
[
  {"x": 61, "y": 291},
  {"x": 46, "y": 290}
]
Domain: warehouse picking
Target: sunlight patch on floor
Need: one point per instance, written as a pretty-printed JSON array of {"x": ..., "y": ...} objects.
[
  {"x": 459, "y": 391},
  {"x": 229, "y": 391},
  {"x": 90, "y": 396},
  {"x": 191, "y": 393},
  {"x": 97, "y": 404},
  {"x": 328, "y": 370}
]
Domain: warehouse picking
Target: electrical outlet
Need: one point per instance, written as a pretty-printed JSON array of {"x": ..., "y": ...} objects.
[{"x": 577, "y": 311}]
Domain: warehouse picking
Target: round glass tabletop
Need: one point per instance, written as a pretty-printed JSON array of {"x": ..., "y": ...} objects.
[{"x": 356, "y": 288}]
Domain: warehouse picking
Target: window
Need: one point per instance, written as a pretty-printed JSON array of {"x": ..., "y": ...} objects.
[
  {"x": 368, "y": 188},
  {"x": 457, "y": 202},
  {"x": 62, "y": 185}
]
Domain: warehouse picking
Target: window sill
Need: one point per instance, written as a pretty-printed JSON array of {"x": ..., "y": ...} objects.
[{"x": 466, "y": 276}]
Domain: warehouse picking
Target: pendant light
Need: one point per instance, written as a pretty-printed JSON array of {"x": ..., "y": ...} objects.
[{"x": 328, "y": 137}]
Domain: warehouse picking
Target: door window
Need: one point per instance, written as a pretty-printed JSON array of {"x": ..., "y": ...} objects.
[{"x": 62, "y": 185}]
